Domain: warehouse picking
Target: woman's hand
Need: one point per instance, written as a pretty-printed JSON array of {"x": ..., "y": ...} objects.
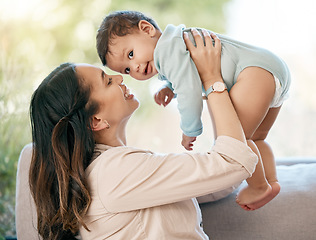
[
  {"x": 208, "y": 63},
  {"x": 207, "y": 58}
]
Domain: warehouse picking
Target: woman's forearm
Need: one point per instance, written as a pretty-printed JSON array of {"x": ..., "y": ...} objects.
[
  {"x": 224, "y": 115},
  {"x": 207, "y": 58}
]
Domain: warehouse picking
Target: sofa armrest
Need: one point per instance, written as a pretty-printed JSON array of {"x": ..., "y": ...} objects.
[{"x": 25, "y": 210}]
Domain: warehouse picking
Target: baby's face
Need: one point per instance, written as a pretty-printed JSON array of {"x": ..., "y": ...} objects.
[{"x": 133, "y": 54}]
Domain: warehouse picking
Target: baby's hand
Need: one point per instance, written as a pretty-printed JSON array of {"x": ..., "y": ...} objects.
[
  {"x": 164, "y": 96},
  {"x": 187, "y": 142}
]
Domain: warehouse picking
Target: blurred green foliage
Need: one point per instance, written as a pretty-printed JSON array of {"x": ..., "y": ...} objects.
[{"x": 47, "y": 33}]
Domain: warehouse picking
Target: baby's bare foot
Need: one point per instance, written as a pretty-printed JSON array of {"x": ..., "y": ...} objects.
[
  {"x": 251, "y": 195},
  {"x": 275, "y": 191}
]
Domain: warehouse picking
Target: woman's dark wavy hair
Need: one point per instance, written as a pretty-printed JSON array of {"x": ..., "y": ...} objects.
[
  {"x": 119, "y": 23},
  {"x": 63, "y": 145}
]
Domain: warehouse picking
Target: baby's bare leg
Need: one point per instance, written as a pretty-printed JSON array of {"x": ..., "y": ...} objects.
[
  {"x": 258, "y": 187},
  {"x": 267, "y": 156},
  {"x": 251, "y": 96}
]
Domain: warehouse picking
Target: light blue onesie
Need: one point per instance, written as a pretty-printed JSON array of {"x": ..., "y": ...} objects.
[{"x": 175, "y": 66}]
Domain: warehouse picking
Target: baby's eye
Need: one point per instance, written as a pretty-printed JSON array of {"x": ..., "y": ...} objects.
[
  {"x": 110, "y": 81},
  {"x": 127, "y": 70},
  {"x": 131, "y": 54}
]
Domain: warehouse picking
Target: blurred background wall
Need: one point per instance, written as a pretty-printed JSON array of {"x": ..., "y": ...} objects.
[{"x": 37, "y": 35}]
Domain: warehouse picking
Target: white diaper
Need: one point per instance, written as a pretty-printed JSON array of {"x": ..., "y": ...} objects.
[{"x": 278, "y": 99}]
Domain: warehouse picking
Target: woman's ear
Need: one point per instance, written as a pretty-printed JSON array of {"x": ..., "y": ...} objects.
[
  {"x": 98, "y": 124},
  {"x": 147, "y": 28}
]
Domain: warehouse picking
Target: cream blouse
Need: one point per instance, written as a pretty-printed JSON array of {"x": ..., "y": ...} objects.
[{"x": 138, "y": 194}]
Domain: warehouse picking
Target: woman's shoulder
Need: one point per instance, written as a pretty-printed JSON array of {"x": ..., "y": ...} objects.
[
  {"x": 102, "y": 149},
  {"x": 106, "y": 152},
  {"x": 105, "y": 155}
]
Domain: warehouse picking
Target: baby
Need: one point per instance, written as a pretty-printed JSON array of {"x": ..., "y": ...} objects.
[{"x": 131, "y": 43}]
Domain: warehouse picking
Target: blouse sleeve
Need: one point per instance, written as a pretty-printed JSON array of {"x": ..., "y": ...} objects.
[{"x": 129, "y": 179}]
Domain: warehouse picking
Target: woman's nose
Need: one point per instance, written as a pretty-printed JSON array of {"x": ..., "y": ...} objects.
[{"x": 118, "y": 78}]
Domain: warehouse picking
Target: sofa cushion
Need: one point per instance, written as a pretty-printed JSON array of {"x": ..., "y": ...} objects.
[{"x": 291, "y": 215}]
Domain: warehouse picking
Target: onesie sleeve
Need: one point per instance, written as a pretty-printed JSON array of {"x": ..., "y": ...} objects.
[
  {"x": 130, "y": 179},
  {"x": 176, "y": 66},
  {"x": 166, "y": 83}
]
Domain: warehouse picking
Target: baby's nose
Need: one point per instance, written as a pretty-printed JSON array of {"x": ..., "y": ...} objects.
[{"x": 136, "y": 67}]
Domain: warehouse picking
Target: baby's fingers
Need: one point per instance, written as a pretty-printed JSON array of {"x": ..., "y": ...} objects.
[
  {"x": 158, "y": 99},
  {"x": 167, "y": 100}
]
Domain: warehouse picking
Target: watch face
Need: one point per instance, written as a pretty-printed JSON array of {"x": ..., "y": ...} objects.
[{"x": 219, "y": 87}]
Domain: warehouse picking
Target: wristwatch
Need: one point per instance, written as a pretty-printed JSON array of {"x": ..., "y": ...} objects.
[{"x": 217, "y": 87}]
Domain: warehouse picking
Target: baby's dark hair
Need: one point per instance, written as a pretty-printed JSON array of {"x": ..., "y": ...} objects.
[{"x": 119, "y": 23}]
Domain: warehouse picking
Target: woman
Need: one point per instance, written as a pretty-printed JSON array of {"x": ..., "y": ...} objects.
[{"x": 83, "y": 176}]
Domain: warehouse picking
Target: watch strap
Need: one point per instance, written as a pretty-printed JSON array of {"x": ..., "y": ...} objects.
[{"x": 209, "y": 90}]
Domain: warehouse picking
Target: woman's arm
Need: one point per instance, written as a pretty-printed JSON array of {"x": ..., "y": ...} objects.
[
  {"x": 146, "y": 179},
  {"x": 207, "y": 60}
]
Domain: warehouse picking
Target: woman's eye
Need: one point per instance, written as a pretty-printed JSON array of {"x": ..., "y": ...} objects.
[
  {"x": 127, "y": 70},
  {"x": 131, "y": 54}
]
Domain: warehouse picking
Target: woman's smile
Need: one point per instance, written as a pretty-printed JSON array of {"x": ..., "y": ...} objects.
[{"x": 128, "y": 95}]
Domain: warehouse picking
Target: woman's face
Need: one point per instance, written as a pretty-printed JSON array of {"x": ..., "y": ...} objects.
[{"x": 116, "y": 104}]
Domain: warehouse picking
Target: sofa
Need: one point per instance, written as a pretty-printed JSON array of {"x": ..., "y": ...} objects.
[{"x": 290, "y": 216}]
